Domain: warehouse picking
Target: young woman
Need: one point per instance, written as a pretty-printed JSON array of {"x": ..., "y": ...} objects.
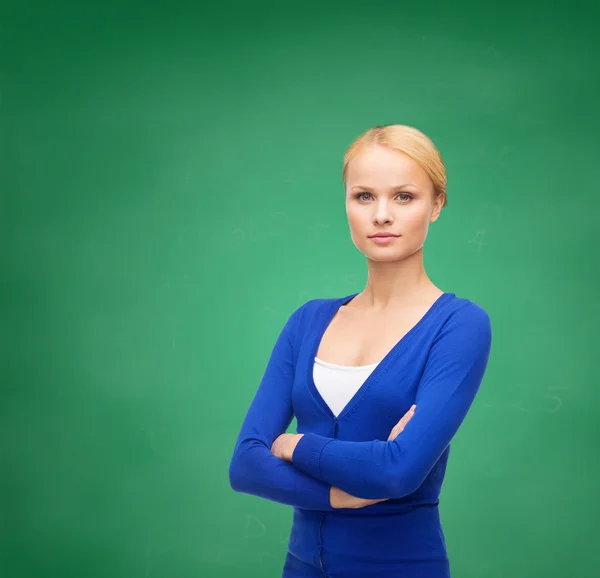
[{"x": 379, "y": 382}]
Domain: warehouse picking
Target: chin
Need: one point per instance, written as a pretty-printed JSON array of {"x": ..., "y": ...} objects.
[
  {"x": 387, "y": 254},
  {"x": 383, "y": 255},
  {"x": 390, "y": 258}
]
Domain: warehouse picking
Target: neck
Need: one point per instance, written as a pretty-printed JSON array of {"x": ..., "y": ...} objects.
[{"x": 397, "y": 284}]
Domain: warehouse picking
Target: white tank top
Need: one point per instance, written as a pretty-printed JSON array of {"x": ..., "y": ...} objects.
[{"x": 337, "y": 384}]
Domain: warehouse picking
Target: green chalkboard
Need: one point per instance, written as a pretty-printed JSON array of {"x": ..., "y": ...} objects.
[{"x": 170, "y": 181}]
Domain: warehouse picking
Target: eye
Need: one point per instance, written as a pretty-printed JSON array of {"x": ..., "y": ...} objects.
[{"x": 364, "y": 196}]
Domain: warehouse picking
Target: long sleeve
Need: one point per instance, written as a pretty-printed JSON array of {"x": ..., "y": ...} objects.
[
  {"x": 253, "y": 468},
  {"x": 393, "y": 469}
]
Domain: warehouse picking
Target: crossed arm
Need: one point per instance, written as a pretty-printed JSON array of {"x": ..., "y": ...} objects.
[
  {"x": 307, "y": 470},
  {"x": 253, "y": 468},
  {"x": 283, "y": 448},
  {"x": 396, "y": 468}
]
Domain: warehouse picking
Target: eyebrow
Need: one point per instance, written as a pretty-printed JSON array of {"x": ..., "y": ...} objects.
[{"x": 393, "y": 188}]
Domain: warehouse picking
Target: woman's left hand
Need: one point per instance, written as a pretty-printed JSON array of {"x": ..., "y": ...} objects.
[{"x": 285, "y": 444}]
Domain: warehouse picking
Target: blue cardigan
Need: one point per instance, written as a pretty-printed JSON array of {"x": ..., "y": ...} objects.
[{"x": 438, "y": 365}]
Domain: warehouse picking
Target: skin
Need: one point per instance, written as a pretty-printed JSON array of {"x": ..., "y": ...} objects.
[{"x": 385, "y": 192}]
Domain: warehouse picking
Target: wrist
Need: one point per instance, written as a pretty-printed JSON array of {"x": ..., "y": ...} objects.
[
  {"x": 335, "y": 498},
  {"x": 292, "y": 446}
]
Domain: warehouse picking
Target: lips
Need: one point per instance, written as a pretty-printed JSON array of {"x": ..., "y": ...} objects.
[{"x": 384, "y": 238}]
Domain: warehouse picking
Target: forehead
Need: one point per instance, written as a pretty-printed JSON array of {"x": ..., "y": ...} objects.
[{"x": 377, "y": 166}]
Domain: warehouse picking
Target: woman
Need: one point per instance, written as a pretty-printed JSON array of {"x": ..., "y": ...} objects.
[{"x": 379, "y": 382}]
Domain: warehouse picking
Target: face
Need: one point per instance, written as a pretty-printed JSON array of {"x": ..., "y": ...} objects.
[{"x": 388, "y": 193}]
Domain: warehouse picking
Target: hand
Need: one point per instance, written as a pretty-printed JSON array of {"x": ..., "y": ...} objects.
[
  {"x": 340, "y": 499},
  {"x": 399, "y": 427},
  {"x": 285, "y": 444}
]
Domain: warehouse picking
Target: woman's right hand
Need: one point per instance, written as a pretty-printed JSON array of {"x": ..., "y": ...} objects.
[{"x": 340, "y": 499}]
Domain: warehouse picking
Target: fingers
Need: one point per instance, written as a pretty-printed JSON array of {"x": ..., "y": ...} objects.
[
  {"x": 402, "y": 423},
  {"x": 372, "y": 502}
]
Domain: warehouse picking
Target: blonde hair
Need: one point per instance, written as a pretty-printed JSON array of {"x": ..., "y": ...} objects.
[{"x": 407, "y": 140}]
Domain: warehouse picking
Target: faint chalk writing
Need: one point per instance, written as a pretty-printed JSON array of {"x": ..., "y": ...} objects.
[
  {"x": 478, "y": 240},
  {"x": 557, "y": 401},
  {"x": 279, "y": 216},
  {"x": 518, "y": 406},
  {"x": 265, "y": 557},
  {"x": 254, "y": 529},
  {"x": 550, "y": 402},
  {"x": 238, "y": 233}
]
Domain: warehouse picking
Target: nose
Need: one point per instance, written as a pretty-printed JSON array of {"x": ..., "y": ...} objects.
[{"x": 383, "y": 214}]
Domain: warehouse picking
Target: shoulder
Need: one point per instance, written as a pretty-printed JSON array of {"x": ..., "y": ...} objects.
[
  {"x": 467, "y": 311},
  {"x": 321, "y": 305},
  {"x": 472, "y": 313},
  {"x": 465, "y": 320},
  {"x": 305, "y": 315}
]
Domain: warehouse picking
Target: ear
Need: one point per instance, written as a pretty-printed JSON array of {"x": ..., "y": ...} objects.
[{"x": 437, "y": 207}]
